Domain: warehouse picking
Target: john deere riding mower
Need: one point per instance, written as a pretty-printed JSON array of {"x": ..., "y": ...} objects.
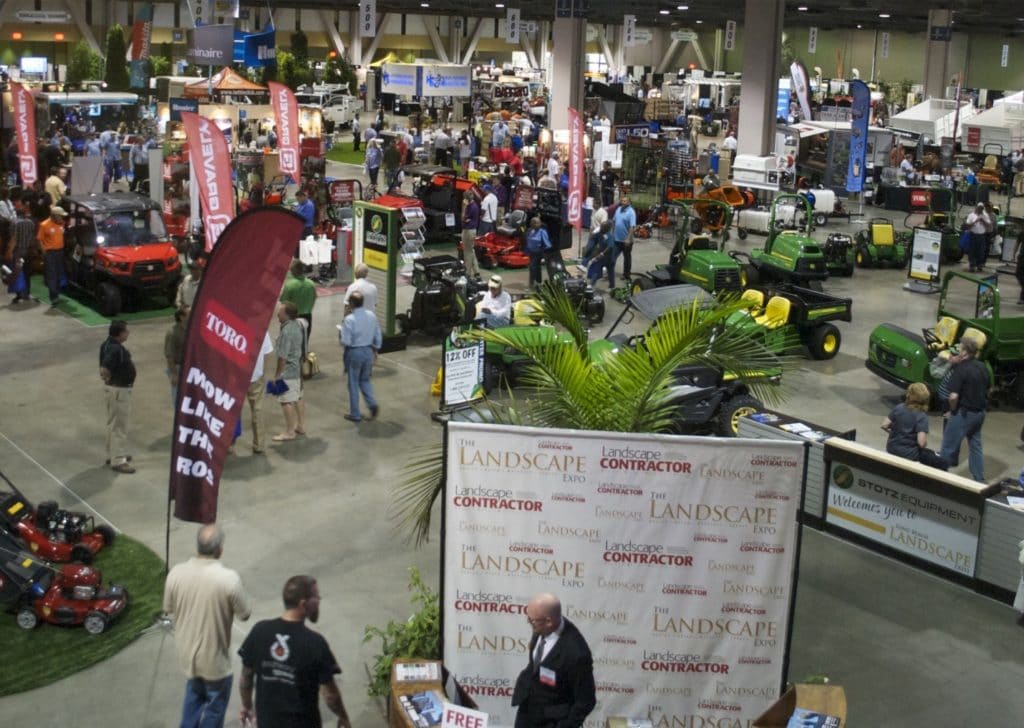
[
  {"x": 696, "y": 256},
  {"x": 789, "y": 255},
  {"x": 950, "y": 251},
  {"x": 880, "y": 246}
]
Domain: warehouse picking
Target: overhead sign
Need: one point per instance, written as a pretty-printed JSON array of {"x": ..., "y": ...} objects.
[
  {"x": 883, "y": 45},
  {"x": 367, "y": 18},
  {"x": 1004, "y": 57},
  {"x": 43, "y": 16},
  {"x": 672, "y": 555},
  {"x": 211, "y": 45},
  {"x": 730, "y": 35},
  {"x": 812, "y": 40},
  {"x": 260, "y": 49},
  {"x": 622, "y": 132},
  {"x": 642, "y": 36},
  {"x": 683, "y": 36},
  {"x": 629, "y": 30},
  {"x": 512, "y": 25},
  {"x": 400, "y": 78},
  {"x": 447, "y": 80},
  {"x": 176, "y": 106}
]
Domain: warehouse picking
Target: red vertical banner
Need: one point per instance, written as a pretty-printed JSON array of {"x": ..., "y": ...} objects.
[
  {"x": 25, "y": 132},
  {"x": 230, "y": 315},
  {"x": 142, "y": 32},
  {"x": 211, "y": 171},
  {"x": 286, "y": 115},
  {"x": 577, "y": 185}
]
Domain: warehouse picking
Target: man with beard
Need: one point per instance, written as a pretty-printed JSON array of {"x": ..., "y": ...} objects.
[{"x": 289, "y": 664}]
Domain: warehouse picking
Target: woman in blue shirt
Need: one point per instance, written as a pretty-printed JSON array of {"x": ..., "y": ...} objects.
[
  {"x": 373, "y": 160},
  {"x": 537, "y": 244}
]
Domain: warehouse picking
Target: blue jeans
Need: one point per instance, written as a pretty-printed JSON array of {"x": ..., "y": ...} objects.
[
  {"x": 54, "y": 271},
  {"x": 963, "y": 424},
  {"x": 206, "y": 702},
  {"x": 359, "y": 365}
]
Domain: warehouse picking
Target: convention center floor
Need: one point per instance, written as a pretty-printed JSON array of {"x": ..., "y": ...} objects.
[{"x": 910, "y": 649}]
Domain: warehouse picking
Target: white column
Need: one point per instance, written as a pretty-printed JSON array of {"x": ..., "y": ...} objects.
[
  {"x": 936, "y": 55},
  {"x": 569, "y": 36},
  {"x": 762, "y": 22}
]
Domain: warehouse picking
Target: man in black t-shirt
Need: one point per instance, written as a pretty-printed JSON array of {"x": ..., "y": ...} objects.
[
  {"x": 118, "y": 374},
  {"x": 608, "y": 179},
  {"x": 968, "y": 400},
  {"x": 289, "y": 665}
]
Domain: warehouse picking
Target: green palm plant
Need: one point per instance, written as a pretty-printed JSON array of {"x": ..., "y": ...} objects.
[{"x": 572, "y": 386}]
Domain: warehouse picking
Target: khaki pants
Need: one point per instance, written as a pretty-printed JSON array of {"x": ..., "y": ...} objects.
[
  {"x": 255, "y": 398},
  {"x": 469, "y": 253},
  {"x": 119, "y": 410},
  {"x": 1018, "y": 184}
]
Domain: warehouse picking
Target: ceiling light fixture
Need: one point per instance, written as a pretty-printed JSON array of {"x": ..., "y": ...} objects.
[
  {"x": 698, "y": 22},
  {"x": 859, "y": 26},
  {"x": 499, "y": 5},
  {"x": 802, "y": 9},
  {"x": 687, "y": 7},
  {"x": 884, "y": 15}
]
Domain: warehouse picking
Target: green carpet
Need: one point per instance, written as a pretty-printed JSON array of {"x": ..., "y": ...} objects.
[
  {"x": 49, "y": 653},
  {"x": 82, "y": 307},
  {"x": 344, "y": 153}
]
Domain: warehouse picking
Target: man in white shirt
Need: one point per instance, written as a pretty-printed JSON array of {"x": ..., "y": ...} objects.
[
  {"x": 364, "y": 286},
  {"x": 488, "y": 212},
  {"x": 495, "y": 308},
  {"x": 907, "y": 167},
  {"x": 254, "y": 396},
  {"x": 730, "y": 143},
  {"x": 554, "y": 166}
]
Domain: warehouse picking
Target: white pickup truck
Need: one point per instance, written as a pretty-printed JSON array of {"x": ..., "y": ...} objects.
[{"x": 339, "y": 109}]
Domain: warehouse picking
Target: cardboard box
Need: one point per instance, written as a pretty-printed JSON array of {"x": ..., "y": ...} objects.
[{"x": 825, "y": 699}]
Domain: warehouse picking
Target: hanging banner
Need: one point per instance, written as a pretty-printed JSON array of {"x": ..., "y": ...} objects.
[
  {"x": 1004, "y": 57},
  {"x": 802, "y": 88},
  {"x": 730, "y": 35},
  {"x": 230, "y": 316},
  {"x": 884, "y": 45},
  {"x": 577, "y": 181},
  {"x": 512, "y": 25},
  {"x": 142, "y": 32},
  {"x": 211, "y": 168},
  {"x": 260, "y": 49},
  {"x": 629, "y": 30},
  {"x": 25, "y": 131},
  {"x": 367, "y": 18},
  {"x": 401, "y": 79},
  {"x": 211, "y": 45},
  {"x": 812, "y": 40},
  {"x": 201, "y": 11},
  {"x": 286, "y": 115},
  {"x": 860, "y": 113},
  {"x": 447, "y": 80},
  {"x": 673, "y": 556}
]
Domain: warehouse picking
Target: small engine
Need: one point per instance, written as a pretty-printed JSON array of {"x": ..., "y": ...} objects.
[
  {"x": 60, "y": 525},
  {"x": 80, "y": 581}
]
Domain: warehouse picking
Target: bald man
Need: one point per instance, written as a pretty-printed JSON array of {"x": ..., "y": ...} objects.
[
  {"x": 556, "y": 690},
  {"x": 203, "y": 597}
]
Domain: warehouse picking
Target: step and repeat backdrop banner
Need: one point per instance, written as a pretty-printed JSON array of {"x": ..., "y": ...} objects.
[{"x": 673, "y": 555}]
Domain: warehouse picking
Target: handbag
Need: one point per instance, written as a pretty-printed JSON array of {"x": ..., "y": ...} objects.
[
  {"x": 310, "y": 365},
  {"x": 965, "y": 240}
]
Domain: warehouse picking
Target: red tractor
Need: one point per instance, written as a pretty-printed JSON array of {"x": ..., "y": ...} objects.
[{"x": 50, "y": 532}]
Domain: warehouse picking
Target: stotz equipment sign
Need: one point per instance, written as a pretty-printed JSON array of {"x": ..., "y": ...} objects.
[{"x": 672, "y": 555}]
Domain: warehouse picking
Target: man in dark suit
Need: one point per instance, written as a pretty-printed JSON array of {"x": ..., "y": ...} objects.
[{"x": 556, "y": 690}]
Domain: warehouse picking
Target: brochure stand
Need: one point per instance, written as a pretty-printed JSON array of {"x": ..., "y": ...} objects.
[{"x": 925, "y": 255}]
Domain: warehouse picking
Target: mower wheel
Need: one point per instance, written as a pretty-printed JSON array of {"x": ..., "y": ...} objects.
[
  {"x": 825, "y": 341},
  {"x": 751, "y": 274},
  {"x": 641, "y": 284},
  {"x": 109, "y": 298},
  {"x": 863, "y": 257},
  {"x": 95, "y": 622},
  {"x": 82, "y": 555},
  {"x": 820, "y": 219},
  {"x": 736, "y": 408},
  {"x": 952, "y": 257},
  {"x": 27, "y": 618},
  {"x": 106, "y": 532},
  {"x": 742, "y": 232}
]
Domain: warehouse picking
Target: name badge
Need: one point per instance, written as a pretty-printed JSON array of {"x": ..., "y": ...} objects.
[{"x": 547, "y": 676}]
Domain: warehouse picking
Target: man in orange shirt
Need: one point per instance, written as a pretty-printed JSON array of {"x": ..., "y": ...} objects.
[{"x": 51, "y": 238}]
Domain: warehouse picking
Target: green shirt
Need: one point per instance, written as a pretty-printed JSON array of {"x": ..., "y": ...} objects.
[{"x": 301, "y": 292}]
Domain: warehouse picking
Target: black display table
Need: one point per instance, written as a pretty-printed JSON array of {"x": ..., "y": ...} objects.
[{"x": 913, "y": 199}]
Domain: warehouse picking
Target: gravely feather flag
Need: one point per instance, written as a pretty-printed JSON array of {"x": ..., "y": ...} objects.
[
  {"x": 286, "y": 115},
  {"x": 230, "y": 316},
  {"x": 211, "y": 169}
]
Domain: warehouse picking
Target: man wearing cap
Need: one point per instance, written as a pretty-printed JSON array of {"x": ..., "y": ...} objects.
[
  {"x": 488, "y": 211},
  {"x": 51, "y": 237},
  {"x": 495, "y": 307},
  {"x": 189, "y": 286}
]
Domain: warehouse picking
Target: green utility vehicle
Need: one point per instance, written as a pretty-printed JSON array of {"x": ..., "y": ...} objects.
[
  {"x": 942, "y": 222},
  {"x": 789, "y": 256},
  {"x": 969, "y": 306},
  {"x": 879, "y": 245},
  {"x": 696, "y": 257},
  {"x": 785, "y": 318}
]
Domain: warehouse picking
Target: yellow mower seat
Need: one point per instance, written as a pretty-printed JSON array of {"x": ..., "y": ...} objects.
[
  {"x": 526, "y": 311},
  {"x": 882, "y": 234},
  {"x": 753, "y": 301},
  {"x": 776, "y": 313},
  {"x": 945, "y": 333},
  {"x": 977, "y": 336}
]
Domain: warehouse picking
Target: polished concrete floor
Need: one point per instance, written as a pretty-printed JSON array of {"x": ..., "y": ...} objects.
[{"x": 910, "y": 649}]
